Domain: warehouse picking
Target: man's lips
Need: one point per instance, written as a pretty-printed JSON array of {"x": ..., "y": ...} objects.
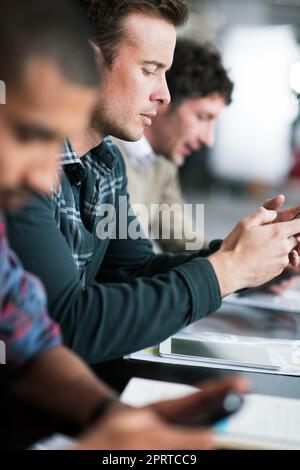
[
  {"x": 148, "y": 117},
  {"x": 187, "y": 149}
]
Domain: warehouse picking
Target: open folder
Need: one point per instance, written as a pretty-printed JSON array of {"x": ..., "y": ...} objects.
[{"x": 264, "y": 422}]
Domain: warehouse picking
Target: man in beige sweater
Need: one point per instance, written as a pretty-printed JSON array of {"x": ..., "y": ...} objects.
[{"x": 200, "y": 89}]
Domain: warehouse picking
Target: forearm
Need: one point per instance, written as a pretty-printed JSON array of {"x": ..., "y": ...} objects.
[
  {"x": 60, "y": 383},
  {"x": 147, "y": 265},
  {"x": 226, "y": 269}
]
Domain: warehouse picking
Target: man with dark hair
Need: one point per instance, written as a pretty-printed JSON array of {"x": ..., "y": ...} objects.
[
  {"x": 200, "y": 89},
  {"x": 107, "y": 289},
  {"x": 45, "y": 101}
]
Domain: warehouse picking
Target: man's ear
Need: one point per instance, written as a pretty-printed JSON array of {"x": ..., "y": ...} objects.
[{"x": 98, "y": 54}]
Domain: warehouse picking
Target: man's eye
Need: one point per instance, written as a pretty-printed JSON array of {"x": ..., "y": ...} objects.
[
  {"x": 148, "y": 72},
  {"x": 28, "y": 134},
  {"x": 25, "y": 135},
  {"x": 201, "y": 117}
]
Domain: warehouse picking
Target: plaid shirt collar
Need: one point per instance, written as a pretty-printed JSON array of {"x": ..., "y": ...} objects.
[{"x": 104, "y": 158}]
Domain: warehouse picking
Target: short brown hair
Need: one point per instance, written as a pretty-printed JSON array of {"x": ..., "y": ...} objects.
[{"x": 106, "y": 18}]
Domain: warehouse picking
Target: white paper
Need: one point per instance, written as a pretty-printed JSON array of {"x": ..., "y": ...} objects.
[{"x": 141, "y": 392}]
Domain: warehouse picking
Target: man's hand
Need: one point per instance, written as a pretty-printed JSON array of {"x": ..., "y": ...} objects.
[
  {"x": 291, "y": 275},
  {"x": 284, "y": 216},
  {"x": 152, "y": 427},
  {"x": 256, "y": 251},
  {"x": 201, "y": 404},
  {"x": 141, "y": 429},
  {"x": 275, "y": 203}
]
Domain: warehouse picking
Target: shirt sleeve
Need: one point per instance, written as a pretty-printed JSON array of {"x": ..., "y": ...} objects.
[{"x": 26, "y": 330}]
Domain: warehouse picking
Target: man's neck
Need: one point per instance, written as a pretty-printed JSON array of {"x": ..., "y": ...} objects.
[
  {"x": 86, "y": 140},
  {"x": 150, "y": 137}
]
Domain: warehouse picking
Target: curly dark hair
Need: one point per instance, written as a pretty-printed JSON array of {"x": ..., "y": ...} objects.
[
  {"x": 106, "y": 18},
  {"x": 197, "y": 71}
]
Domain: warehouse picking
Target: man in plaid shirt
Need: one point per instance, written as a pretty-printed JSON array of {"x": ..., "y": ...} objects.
[
  {"x": 107, "y": 289},
  {"x": 46, "y": 374},
  {"x": 38, "y": 369}
]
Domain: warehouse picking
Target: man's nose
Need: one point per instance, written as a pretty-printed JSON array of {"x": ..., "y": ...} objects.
[
  {"x": 162, "y": 94},
  {"x": 208, "y": 137}
]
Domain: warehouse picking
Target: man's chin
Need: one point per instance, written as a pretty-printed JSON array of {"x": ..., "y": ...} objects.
[
  {"x": 178, "y": 160},
  {"x": 129, "y": 135}
]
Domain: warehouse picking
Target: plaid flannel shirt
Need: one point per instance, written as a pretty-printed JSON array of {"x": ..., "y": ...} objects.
[{"x": 78, "y": 200}]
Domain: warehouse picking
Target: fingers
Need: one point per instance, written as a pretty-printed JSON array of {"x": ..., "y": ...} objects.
[
  {"x": 288, "y": 214},
  {"x": 210, "y": 396},
  {"x": 261, "y": 216},
  {"x": 275, "y": 203},
  {"x": 288, "y": 229}
]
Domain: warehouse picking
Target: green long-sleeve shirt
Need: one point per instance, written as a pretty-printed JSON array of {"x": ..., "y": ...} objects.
[{"x": 112, "y": 295}]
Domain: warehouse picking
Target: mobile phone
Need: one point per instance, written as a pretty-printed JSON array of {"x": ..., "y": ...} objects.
[
  {"x": 222, "y": 408},
  {"x": 231, "y": 404},
  {"x": 284, "y": 276},
  {"x": 296, "y": 216}
]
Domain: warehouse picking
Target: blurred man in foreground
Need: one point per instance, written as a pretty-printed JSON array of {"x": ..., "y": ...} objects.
[{"x": 50, "y": 74}]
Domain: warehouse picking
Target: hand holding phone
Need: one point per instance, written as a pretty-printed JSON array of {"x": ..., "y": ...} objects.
[{"x": 223, "y": 408}]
